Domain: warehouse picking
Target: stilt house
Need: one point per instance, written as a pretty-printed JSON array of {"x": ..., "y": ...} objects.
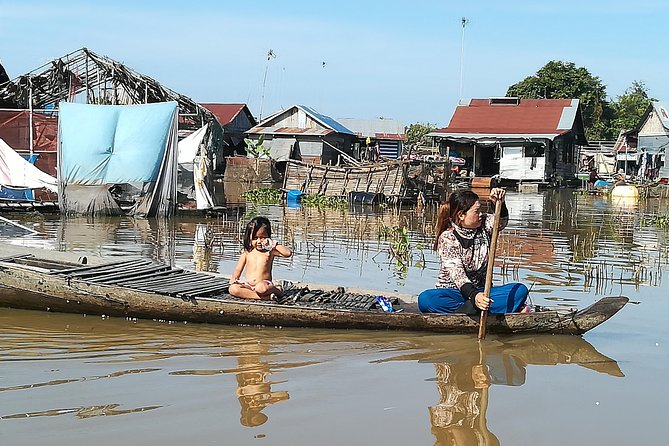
[
  {"x": 518, "y": 139},
  {"x": 300, "y": 132},
  {"x": 236, "y": 120},
  {"x": 653, "y": 142},
  {"x": 385, "y": 134}
]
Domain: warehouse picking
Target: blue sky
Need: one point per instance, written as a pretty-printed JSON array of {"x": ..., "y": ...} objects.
[{"x": 395, "y": 59}]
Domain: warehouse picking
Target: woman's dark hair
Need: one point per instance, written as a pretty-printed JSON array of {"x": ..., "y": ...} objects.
[
  {"x": 458, "y": 201},
  {"x": 252, "y": 229}
]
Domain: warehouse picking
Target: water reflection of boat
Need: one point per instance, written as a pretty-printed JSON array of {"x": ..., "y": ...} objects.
[
  {"x": 145, "y": 289},
  {"x": 463, "y": 379}
]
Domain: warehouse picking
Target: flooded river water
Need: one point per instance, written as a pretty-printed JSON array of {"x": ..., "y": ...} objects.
[{"x": 77, "y": 379}]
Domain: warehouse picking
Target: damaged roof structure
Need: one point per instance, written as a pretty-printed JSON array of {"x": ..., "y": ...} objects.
[{"x": 84, "y": 76}]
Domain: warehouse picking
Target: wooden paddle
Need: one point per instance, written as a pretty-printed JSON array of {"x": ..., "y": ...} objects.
[{"x": 491, "y": 265}]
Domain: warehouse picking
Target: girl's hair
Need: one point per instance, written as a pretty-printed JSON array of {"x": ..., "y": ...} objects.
[
  {"x": 458, "y": 201},
  {"x": 252, "y": 229}
]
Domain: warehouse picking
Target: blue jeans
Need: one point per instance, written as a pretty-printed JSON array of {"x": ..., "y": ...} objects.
[{"x": 508, "y": 298}]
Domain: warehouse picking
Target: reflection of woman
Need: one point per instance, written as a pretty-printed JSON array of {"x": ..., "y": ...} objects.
[
  {"x": 463, "y": 379},
  {"x": 463, "y": 244},
  {"x": 253, "y": 392},
  {"x": 459, "y": 417}
]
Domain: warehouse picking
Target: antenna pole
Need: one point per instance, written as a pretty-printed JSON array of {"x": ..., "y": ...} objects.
[
  {"x": 462, "y": 56},
  {"x": 270, "y": 55}
]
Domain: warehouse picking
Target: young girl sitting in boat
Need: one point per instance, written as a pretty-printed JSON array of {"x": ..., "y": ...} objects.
[{"x": 256, "y": 261}]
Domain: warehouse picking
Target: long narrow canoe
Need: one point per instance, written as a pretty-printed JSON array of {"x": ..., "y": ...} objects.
[{"x": 149, "y": 290}]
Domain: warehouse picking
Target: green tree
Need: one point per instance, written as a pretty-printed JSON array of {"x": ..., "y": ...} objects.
[
  {"x": 630, "y": 107},
  {"x": 564, "y": 80},
  {"x": 415, "y": 133},
  {"x": 256, "y": 148}
]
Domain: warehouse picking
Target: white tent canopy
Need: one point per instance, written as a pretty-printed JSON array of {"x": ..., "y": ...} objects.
[
  {"x": 188, "y": 147},
  {"x": 17, "y": 173}
]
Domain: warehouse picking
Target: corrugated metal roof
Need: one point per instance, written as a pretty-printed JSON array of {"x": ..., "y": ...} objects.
[
  {"x": 326, "y": 120},
  {"x": 568, "y": 116},
  {"x": 494, "y": 137},
  {"x": 289, "y": 131},
  {"x": 225, "y": 113},
  {"x": 662, "y": 110},
  {"x": 280, "y": 149},
  {"x": 392, "y": 136},
  {"x": 330, "y": 124},
  {"x": 529, "y": 117},
  {"x": 375, "y": 128}
]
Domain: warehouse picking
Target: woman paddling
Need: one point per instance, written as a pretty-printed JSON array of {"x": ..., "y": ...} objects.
[{"x": 463, "y": 237}]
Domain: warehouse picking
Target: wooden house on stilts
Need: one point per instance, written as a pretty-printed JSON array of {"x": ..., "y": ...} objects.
[{"x": 520, "y": 140}]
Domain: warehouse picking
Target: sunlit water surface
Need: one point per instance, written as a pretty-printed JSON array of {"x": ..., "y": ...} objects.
[{"x": 75, "y": 379}]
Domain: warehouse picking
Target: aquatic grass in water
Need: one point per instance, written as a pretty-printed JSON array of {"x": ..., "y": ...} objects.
[
  {"x": 262, "y": 196},
  {"x": 400, "y": 248},
  {"x": 323, "y": 202},
  {"x": 659, "y": 221}
]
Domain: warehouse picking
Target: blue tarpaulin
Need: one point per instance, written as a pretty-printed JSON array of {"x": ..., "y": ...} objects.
[
  {"x": 113, "y": 143},
  {"x": 20, "y": 194},
  {"x": 134, "y": 146}
]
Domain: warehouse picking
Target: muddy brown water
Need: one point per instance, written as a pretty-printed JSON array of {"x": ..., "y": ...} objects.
[{"x": 77, "y": 379}]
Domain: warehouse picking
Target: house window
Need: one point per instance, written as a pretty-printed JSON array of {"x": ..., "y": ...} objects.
[
  {"x": 568, "y": 153},
  {"x": 533, "y": 151}
]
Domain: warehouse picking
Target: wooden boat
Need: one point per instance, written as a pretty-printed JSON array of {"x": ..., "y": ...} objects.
[{"x": 145, "y": 289}]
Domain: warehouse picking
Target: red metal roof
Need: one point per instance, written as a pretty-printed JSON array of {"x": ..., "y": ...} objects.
[
  {"x": 391, "y": 136},
  {"x": 225, "y": 113},
  {"x": 529, "y": 116}
]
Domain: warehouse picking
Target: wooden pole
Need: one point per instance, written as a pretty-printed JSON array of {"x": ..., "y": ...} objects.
[
  {"x": 491, "y": 266},
  {"x": 30, "y": 114}
]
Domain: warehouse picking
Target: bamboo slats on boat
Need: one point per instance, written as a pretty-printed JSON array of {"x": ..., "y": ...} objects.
[{"x": 146, "y": 275}]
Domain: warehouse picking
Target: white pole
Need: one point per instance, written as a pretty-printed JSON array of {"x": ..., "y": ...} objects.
[
  {"x": 270, "y": 55},
  {"x": 462, "y": 57},
  {"x": 30, "y": 112}
]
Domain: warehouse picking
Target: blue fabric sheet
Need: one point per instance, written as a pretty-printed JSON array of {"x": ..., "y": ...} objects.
[
  {"x": 107, "y": 144},
  {"x": 20, "y": 194}
]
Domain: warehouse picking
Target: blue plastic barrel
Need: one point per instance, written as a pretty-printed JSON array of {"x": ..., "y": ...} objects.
[{"x": 293, "y": 194}]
